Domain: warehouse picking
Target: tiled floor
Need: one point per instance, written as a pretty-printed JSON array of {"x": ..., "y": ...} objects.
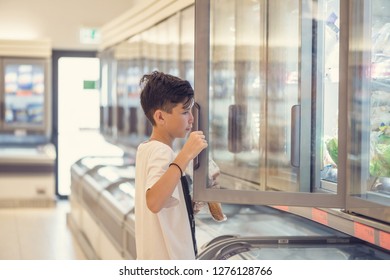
[{"x": 37, "y": 234}]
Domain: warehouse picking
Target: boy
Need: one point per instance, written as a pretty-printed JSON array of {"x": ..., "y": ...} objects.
[{"x": 163, "y": 229}]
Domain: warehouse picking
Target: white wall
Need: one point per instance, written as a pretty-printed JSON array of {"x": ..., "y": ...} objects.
[{"x": 59, "y": 20}]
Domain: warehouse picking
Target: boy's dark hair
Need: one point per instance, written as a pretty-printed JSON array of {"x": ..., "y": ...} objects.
[{"x": 163, "y": 91}]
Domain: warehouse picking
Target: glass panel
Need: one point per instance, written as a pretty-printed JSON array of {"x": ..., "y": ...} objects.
[
  {"x": 301, "y": 252},
  {"x": 24, "y": 87},
  {"x": 235, "y": 89},
  {"x": 268, "y": 126},
  {"x": 187, "y": 42},
  {"x": 135, "y": 119},
  {"x": 103, "y": 94},
  {"x": 122, "y": 58},
  {"x": 106, "y": 98},
  {"x": 282, "y": 93},
  {"x": 255, "y": 54},
  {"x": 150, "y": 52},
  {"x": 171, "y": 43},
  {"x": 328, "y": 30},
  {"x": 370, "y": 118}
]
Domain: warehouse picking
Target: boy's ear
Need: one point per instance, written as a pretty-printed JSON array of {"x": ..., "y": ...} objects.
[{"x": 159, "y": 117}]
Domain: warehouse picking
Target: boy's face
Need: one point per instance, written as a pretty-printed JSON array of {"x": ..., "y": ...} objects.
[{"x": 179, "y": 121}]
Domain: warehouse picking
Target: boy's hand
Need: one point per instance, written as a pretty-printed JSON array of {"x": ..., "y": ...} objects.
[{"x": 195, "y": 144}]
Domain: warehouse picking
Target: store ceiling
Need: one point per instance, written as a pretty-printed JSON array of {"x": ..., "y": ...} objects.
[{"x": 58, "y": 20}]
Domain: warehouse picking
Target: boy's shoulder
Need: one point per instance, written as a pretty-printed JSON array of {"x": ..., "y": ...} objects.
[
  {"x": 154, "y": 151},
  {"x": 153, "y": 146}
]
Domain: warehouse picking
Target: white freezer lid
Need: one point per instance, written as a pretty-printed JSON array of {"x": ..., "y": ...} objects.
[{"x": 21, "y": 155}]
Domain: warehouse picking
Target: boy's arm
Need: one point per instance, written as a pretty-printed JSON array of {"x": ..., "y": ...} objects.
[{"x": 162, "y": 190}]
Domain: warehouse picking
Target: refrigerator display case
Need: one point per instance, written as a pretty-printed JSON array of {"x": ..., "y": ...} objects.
[
  {"x": 253, "y": 102},
  {"x": 106, "y": 95},
  {"x": 25, "y": 99},
  {"x": 272, "y": 110},
  {"x": 187, "y": 42},
  {"x": 166, "y": 47},
  {"x": 26, "y": 152},
  {"x": 122, "y": 56},
  {"x": 369, "y": 114},
  {"x": 137, "y": 127}
]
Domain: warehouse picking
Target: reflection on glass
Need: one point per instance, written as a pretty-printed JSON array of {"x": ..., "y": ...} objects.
[
  {"x": 370, "y": 123},
  {"x": 103, "y": 95},
  {"x": 187, "y": 30},
  {"x": 257, "y": 54},
  {"x": 122, "y": 65},
  {"x": 327, "y": 89},
  {"x": 282, "y": 94},
  {"x": 235, "y": 88},
  {"x": 254, "y": 88},
  {"x": 171, "y": 43}
]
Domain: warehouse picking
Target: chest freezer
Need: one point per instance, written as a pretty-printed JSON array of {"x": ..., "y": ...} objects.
[
  {"x": 130, "y": 251},
  {"x": 261, "y": 232},
  {"x": 90, "y": 163},
  {"x": 96, "y": 181},
  {"x": 102, "y": 200},
  {"x": 116, "y": 201},
  {"x": 82, "y": 167},
  {"x": 255, "y": 220},
  {"x": 291, "y": 248}
]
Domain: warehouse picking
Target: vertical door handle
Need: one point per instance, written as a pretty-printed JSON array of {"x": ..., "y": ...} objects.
[
  {"x": 195, "y": 127},
  {"x": 295, "y": 135},
  {"x": 2, "y": 111},
  {"x": 236, "y": 128}
]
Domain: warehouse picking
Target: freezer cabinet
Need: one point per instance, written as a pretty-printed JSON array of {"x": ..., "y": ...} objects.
[
  {"x": 27, "y": 175},
  {"x": 116, "y": 202},
  {"x": 291, "y": 248}
]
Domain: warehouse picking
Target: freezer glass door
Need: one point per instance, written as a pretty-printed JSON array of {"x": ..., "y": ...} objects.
[
  {"x": 369, "y": 155},
  {"x": 255, "y": 82},
  {"x": 25, "y": 93}
]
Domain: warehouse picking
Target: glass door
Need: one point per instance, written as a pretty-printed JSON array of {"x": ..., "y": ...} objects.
[
  {"x": 369, "y": 123},
  {"x": 186, "y": 62},
  {"x": 26, "y": 94},
  {"x": 256, "y": 78}
]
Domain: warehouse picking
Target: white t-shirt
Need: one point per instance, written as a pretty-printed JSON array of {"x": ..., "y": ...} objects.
[{"x": 167, "y": 234}]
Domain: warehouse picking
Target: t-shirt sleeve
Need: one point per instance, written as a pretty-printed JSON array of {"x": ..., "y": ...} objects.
[{"x": 160, "y": 158}]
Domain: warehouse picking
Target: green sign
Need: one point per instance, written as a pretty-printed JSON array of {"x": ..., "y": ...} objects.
[{"x": 90, "y": 85}]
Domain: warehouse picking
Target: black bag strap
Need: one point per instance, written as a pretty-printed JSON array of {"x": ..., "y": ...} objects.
[{"x": 190, "y": 210}]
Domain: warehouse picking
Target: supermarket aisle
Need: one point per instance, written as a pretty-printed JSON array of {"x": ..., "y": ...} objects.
[{"x": 37, "y": 234}]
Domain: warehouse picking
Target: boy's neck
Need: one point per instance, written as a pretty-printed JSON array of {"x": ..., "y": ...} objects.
[{"x": 161, "y": 138}]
